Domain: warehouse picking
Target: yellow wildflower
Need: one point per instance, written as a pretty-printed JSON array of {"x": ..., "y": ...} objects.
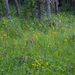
[
  {"x": 36, "y": 37},
  {"x": 36, "y": 60},
  {"x": 31, "y": 27},
  {"x": 68, "y": 37},
  {"x": 15, "y": 43},
  {"x": 38, "y": 46},
  {"x": 62, "y": 27},
  {"x": 34, "y": 34},
  {"x": 47, "y": 36},
  {"x": 61, "y": 50},
  {"x": 24, "y": 34},
  {"x": 36, "y": 65},
  {"x": 39, "y": 64},
  {"x": 33, "y": 64},
  {"x": 32, "y": 23},
  {"x": 65, "y": 39},
  {"x": 65, "y": 33},
  {"x": 47, "y": 45},
  {"x": 1, "y": 37},
  {"x": 49, "y": 27},
  {"x": 25, "y": 39},
  {"x": 5, "y": 35},
  {"x": 14, "y": 39},
  {"x": 40, "y": 25},
  {"x": 8, "y": 36},
  {"x": 56, "y": 52},
  {"x": 47, "y": 64},
  {"x": 53, "y": 28},
  {"x": 15, "y": 11},
  {"x": 17, "y": 33},
  {"x": 57, "y": 27},
  {"x": 25, "y": 56},
  {"x": 39, "y": 59},
  {"x": 11, "y": 20},
  {"x": 33, "y": 31},
  {"x": 57, "y": 42}
]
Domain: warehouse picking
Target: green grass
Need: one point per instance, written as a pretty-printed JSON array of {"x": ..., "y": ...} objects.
[{"x": 51, "y": 53}]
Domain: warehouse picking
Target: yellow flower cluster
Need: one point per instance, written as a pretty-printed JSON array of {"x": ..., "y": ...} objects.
[{"x": 37, "y": 63}]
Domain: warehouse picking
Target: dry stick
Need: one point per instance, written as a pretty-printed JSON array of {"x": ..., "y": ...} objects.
[
  {"x": 12, "y": 53},
  {"x": 45, "y": 54},
  {"x": 1, "y": 52},
  {"x": 17, "y": 31},
  {"x": 24, "y": 59},
  {"x": 20, "y": 48},
  {"x": 15, "y": 36},
  {"x": 7, "y": 30},
  {"x": 26, "y": 44}
]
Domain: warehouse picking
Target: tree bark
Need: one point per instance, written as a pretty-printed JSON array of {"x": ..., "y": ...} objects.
[
  {"x": 60, "y": 3},
  {"x": 39, "y": 10},
  {"x": 17, "y": 7},
  {"x": 56, "y": 7},
  {"x": 66, "y": 1},
  {"x": 7, "y": 8},
  {"x": 47, "y": 4},
  {"x": 21, "y": 2},
  {"x": 74, "y": 3}
]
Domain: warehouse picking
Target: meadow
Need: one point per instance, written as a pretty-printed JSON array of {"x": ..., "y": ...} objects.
[{"x": 30, "y": 47}]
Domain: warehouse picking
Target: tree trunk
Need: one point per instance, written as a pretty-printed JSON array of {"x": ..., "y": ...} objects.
[
  {"x": 47, "y": 4},
  {"x": 21, "y": 2},
  {"x": 73, "y": 3},
  {"x": 39, "y": 10},
  {"x": 56, "y": 7},
  {"x": 7, "y": 8},
  {"x": 17, "y": 7},
  {"x": 60, "y": 3},
  {"x": 40, "y": 7},
  {"x": 66, "y": 1}
]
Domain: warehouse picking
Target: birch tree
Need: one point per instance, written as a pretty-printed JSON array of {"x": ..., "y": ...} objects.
[
  {"x": 48, "y": 9},
  {"x": 7, "y": 8},
  {"x": 17, "y": 7}
]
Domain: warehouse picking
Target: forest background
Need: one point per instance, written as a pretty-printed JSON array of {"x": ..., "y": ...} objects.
[{"x": 37, "y": 37}]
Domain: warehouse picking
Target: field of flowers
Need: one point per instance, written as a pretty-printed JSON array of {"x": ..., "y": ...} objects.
[{"x": 38, "y": 48}]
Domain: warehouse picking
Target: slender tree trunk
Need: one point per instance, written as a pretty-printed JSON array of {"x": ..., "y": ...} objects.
[
  {"x": 17, "y": 7},
  {"x": 56, "y": 7},
  {"x": 60, "y": 3},
  {"x": 73, "y": 3},
  {"x": 70, "y": 3},
  {"x": 47, "y": 4},
  {"x": 21, "y": 2},
  {"x": 66, "y": 1},
  {"x": 39, "y": 10},
  {"x": 7, "y": 8}
]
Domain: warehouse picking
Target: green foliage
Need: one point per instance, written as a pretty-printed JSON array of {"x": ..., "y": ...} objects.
[
  {"x": 30, "y": 47},
  {"x": 29, "y": 8},
  {"x": 66, "y": 8},
  {"x": 2, "y": 7}
]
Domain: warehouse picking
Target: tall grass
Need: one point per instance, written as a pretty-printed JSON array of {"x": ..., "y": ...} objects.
[{"x": 37, "y": 48}]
